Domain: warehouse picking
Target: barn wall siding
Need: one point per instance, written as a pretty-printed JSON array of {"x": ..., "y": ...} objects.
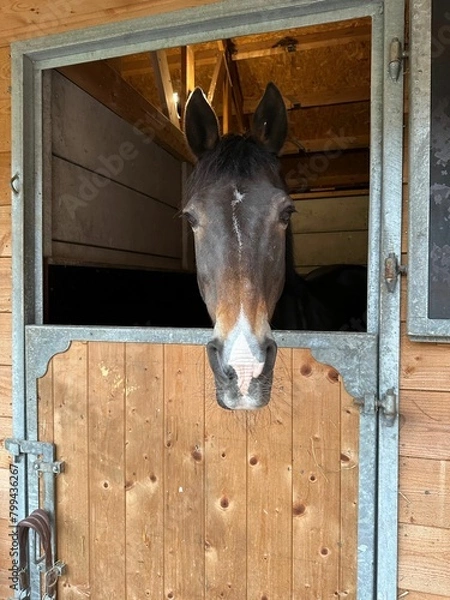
[
  {"x": 424, "y": 419},
  {"x": 114, "y": 192}
]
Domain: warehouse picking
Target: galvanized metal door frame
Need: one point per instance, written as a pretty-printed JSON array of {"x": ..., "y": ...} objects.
[
  {"x": 420, "y": 326},
  {"x": 355, "y": 355}
]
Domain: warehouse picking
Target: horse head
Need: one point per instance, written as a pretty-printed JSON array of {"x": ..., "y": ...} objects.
[{"x": 239, "y": 211}]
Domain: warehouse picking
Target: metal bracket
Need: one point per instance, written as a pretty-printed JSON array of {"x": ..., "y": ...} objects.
[
  {"x": 388, "y": 404},
  {"x": 41, "y": 459},
  {"x": 368, "y": 404},
  {"x": 43, "y": 450},
  {"x": 396, "y": 58},
  {"x": 392, "y": 269}
]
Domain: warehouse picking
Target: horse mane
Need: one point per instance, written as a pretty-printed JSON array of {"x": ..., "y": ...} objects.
[{"x": 234, "y": 157}]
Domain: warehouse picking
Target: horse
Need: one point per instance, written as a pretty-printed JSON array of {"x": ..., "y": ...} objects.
[{"x": 239, "y": 210}]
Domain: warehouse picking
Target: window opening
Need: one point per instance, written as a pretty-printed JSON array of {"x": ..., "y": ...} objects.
[{"x": 115, "y": 251}]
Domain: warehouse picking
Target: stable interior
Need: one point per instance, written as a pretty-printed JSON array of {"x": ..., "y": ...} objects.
[{"x": 115, "y": 165}]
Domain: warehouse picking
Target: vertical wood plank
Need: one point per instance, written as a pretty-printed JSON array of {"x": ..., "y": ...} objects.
[
  {"x": 144, "y": 471},
  {"x": 316, "y": 534},
  {"x": 107, "y": 469},
  {"x": 184, "y": 542},
  {"x": 68, "y": 428},
  {"x": 269, "y": 510},
  {"x": 225, "y": 499},
  {"x": 349, "y": 470}
]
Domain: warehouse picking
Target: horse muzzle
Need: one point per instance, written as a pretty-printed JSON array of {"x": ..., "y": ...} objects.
[{"x": 243, "y": 372}]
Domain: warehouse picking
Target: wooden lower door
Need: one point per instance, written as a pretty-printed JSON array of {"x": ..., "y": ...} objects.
[{"x": 167, "y": 496}]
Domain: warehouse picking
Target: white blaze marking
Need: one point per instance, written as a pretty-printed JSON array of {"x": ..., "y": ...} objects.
[
  {"x": 241, "y": 357},
  {"x": 238, "y": 197}
]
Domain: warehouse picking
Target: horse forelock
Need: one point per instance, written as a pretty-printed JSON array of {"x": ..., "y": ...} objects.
[{"x": 234, "y": 158}]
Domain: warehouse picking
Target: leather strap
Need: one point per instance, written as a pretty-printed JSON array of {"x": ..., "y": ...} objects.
[{"x": 39, "y": 521}]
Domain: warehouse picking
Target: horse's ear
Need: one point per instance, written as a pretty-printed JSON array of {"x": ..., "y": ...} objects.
[
  {"x": 270, "y": 124},
  {"x": 200, "y": 123}
]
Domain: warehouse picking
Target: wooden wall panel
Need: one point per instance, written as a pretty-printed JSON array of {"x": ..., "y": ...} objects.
[
  {"x": 425, "y": 424},
  {"x": 424, "y": 564},
  {"x": 184, "y": 537},
  {"x": 330, "y": 229},
  {"x": 86, "y": 134},
  {"x": 5, "y": 101},
  {"x": 349, "y": 488},
  {"x": 424, "y": 492},
  {"x": 5, "y": 177},
  {"x": 5, "y": 339},
  {"x": 137, "y": 224},
  {"x": 165, "y": 494},
  {"x": 269, "y": 500},
  {"x": 23, "y": 21},
  {"x": 144, "y": 483},
  {"x": 5, "y": 285},
  {"x": 114, "y": 192},
  {"x": 106, "y": 464},
  {"x": 5, "y": 391},
  {"x": 225, "y": 499},
  {"x": 411, "y": 595},
  {"x": 317, "y": 249},
  {"x": 424, "y": 366},
  {"x": 317, "y": 449},
  {"x": 341, "y": 213},
  {"x": 5, "y": 231}
]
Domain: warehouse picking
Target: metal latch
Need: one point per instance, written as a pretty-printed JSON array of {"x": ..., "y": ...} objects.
[
  {"x": 388, "y": 404},
  {"x": 392, "y": 269},
  {"x": 44, "y": 452},
  {"x": 396, "y": 57}
]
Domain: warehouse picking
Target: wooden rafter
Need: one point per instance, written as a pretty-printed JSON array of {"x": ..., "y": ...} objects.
[
  {"x": 226, "y": 112},
  {"x": 217, "y": 76},
  {"x": 104, "y": 83},
  {"x": 164, "y": 84},
  {"x": 187, "y": 74},
  {"x": 235, "y": 83}
]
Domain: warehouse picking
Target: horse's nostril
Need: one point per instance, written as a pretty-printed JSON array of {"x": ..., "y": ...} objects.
[
  {"x": 230, "y": 373},
  {"x": 271, "y": 354}
]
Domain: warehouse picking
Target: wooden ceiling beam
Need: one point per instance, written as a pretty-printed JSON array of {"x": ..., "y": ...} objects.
[
  {"x": 309, "y": 99},
  {"x": 164, "y": 85},
  {"x": 105, "y": 84},
  {"x": 305, "y": 41}
]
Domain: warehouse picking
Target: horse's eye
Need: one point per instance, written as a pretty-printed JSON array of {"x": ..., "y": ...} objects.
[
  {"x": 285, "y": 214},
  {"x": 191, "y": 219}
]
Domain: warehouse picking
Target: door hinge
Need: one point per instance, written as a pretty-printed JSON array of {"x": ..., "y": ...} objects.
[
  {"x": 392, "y": 269},
  {"x": 388, "y": 404},
  {"x": 43, "y": 451},
  {"x": 397, "y": 56}
]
